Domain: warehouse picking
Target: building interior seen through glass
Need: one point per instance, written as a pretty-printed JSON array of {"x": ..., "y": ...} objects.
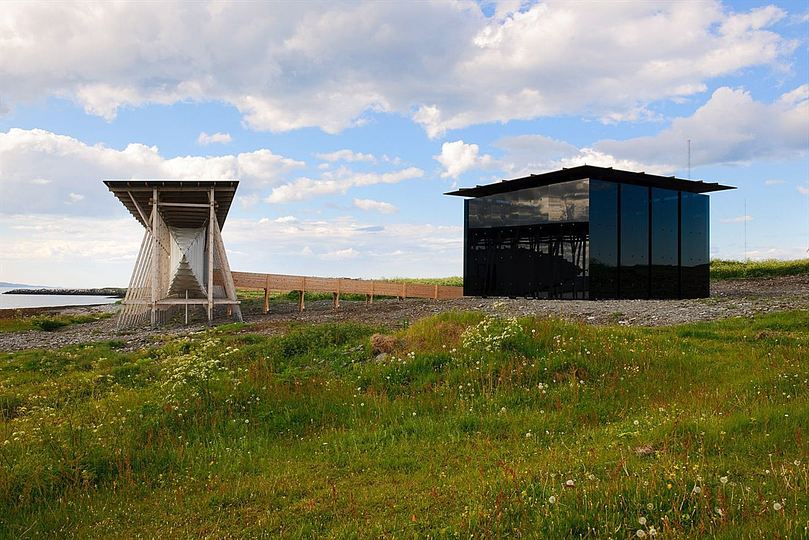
[{"x": 529, "y": 242}]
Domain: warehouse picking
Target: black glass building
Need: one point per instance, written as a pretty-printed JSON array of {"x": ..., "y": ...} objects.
[{"x": 588, "y": 232}]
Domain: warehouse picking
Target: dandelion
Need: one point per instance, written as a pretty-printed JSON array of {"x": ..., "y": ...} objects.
[
  {"x": 640, "y": 533},
  {"x": 777, "y": 506},
  {"x": 650, "y": 506},
  {"x": 642, "y": 520},
  {"x": 570, "y": 483},
  {"x": 697, "y": 490},
  {"x": 723, "y": 479},
  {"x": 636, "y": 423},
  {"x": 552, "y": 499}
]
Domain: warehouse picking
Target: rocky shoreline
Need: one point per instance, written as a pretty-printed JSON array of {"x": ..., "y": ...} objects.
[{"x": 117, "y": 292}]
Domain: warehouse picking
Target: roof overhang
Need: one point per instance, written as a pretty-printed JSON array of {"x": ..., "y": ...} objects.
[
  {"x": 591, "y": 172},
  {"x": 186, "y": 201}
]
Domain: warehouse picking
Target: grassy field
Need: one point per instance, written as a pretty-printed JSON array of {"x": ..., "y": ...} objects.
[
  {"x": 470, "y": 426},
  {"x": 757, "y": 269}
]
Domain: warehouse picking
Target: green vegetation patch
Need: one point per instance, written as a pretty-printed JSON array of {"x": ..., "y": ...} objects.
[
  {"x": 48, "y": 323},
  {"x": 470, "y": 425},
  {"x": 758, "y": 269}
]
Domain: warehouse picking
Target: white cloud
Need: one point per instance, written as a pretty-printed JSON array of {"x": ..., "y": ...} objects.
[
  {"x": 803, "y": 190},
  {"x": 286, "y": 219},
  {"x": 340, "y": 254},
  {"x": 322, "y": 64},
  {"x": 346, "y": 155},
  {"x": 74, "y": 197},
  {"x": 73, "y": 167},
  {"x": 737, "y": 219},
  {"x": 338, "y": 181},
  {"x": 773, "y": 182},
  {"x": 730, "y": 128},
  {"x": 376, "y": 206},
  {"x": 458, "y": 157},
  {"x": 222, "y": 138}
]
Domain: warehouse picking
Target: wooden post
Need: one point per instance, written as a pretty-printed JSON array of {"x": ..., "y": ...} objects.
[
  {"x": 367, "y": 299},
  {"x": 266, "y": 300},
  {"x": 186, "y": 307},
  {"x": 335, "y": 300},
  {"x": 211, "y": 224},
  {"x": 155, "y": 258},
  {"x": 301, "y": 306},
  {"x": 435, "y": 297}
]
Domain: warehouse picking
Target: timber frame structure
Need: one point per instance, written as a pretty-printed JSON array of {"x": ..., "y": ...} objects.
[{"x": 182, "y": 261}]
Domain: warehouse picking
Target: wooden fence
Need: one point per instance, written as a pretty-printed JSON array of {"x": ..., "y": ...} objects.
[{"x": 338, "y": 286}]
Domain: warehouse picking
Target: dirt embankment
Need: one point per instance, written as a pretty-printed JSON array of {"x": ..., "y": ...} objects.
[{"x": 728, "y": 299}]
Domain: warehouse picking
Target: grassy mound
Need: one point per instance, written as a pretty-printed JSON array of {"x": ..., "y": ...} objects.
[{"x": 470, "y": 426}]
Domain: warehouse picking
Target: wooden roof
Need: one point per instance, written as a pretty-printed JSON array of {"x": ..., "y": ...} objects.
[
  {"x": 138, "y": 193},
  {"x": 590, "y": 171}
]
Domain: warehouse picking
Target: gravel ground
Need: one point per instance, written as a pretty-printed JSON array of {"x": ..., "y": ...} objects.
[{"x": 728, "y": 299}]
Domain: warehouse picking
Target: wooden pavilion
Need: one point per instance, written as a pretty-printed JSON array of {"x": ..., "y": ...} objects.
[{"x": 182, "y": 260}]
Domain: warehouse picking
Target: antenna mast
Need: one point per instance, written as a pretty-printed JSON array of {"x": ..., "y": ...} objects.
[{"x": 689, "y": 159}]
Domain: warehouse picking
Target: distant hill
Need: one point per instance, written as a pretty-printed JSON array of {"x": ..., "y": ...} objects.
[{"x": 23, "y": 286}]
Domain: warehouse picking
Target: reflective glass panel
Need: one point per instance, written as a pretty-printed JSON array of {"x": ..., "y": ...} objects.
[
  {"x": 665, "y": 270},
  {"x": 694, "y": 254},
  {"x": 603, "y": 239},
  {"x": 563, "y": 202},
  {"x": 530, "y": 242},
  {"x": 634, "y": 279}
]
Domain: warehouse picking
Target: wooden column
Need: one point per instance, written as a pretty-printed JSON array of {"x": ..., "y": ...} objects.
[
  {"x": 211, "y": 225},
  {"x": 266, "y": 300},
  {"x": 301, "y": 305},
  {"x": 335, "y": 300},
  {"x": 155, "y": 258}
]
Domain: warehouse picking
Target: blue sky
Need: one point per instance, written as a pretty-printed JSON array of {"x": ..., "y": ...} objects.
[{"x": 345, "y": 122}]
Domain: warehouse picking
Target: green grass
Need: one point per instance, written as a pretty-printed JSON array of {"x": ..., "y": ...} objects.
[
  {"x": 471, "y": 427},
  {"x": 48, "y": 323},
  {"x": 757, "y": 269}
]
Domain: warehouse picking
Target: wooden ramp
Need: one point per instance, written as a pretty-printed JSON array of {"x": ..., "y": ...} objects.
[{"x": 337, "y": 286}]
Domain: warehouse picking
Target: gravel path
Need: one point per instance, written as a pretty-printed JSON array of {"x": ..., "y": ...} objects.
[{"x": 728, "y": 299}]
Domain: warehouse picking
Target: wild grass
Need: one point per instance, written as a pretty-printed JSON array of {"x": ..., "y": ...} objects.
[
  {"x": 48, "y": 323},
  {"x": 472, "y": 426},
  {"x": 758, "y": 269}
]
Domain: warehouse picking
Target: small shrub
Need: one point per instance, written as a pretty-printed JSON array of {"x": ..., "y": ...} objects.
[{"x": 48, "y": 324}]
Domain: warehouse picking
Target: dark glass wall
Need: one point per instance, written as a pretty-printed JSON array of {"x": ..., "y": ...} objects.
[
  {"x": 694, "y": 251},
  {"x": 603, "y": 239},
  {"x": 530, "y": 242},
  {"x": 587, "y": 239},
  {"x": 665, "y": 244},
  {"x": 634, "y": 243}
]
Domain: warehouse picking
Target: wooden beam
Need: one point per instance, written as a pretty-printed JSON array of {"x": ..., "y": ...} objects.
[
  {"x": 211, "y": 222},
  {"x": 227, "y": 277},
  {"x": 155, "y": 258},
  {"x": 183, "y": 204}
]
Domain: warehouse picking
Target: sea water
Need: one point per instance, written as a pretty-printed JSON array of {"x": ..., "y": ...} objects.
[{"x": 12, "y": 301}]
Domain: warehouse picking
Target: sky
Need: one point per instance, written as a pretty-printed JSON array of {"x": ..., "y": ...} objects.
[{"x": 346, "y": 122}]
